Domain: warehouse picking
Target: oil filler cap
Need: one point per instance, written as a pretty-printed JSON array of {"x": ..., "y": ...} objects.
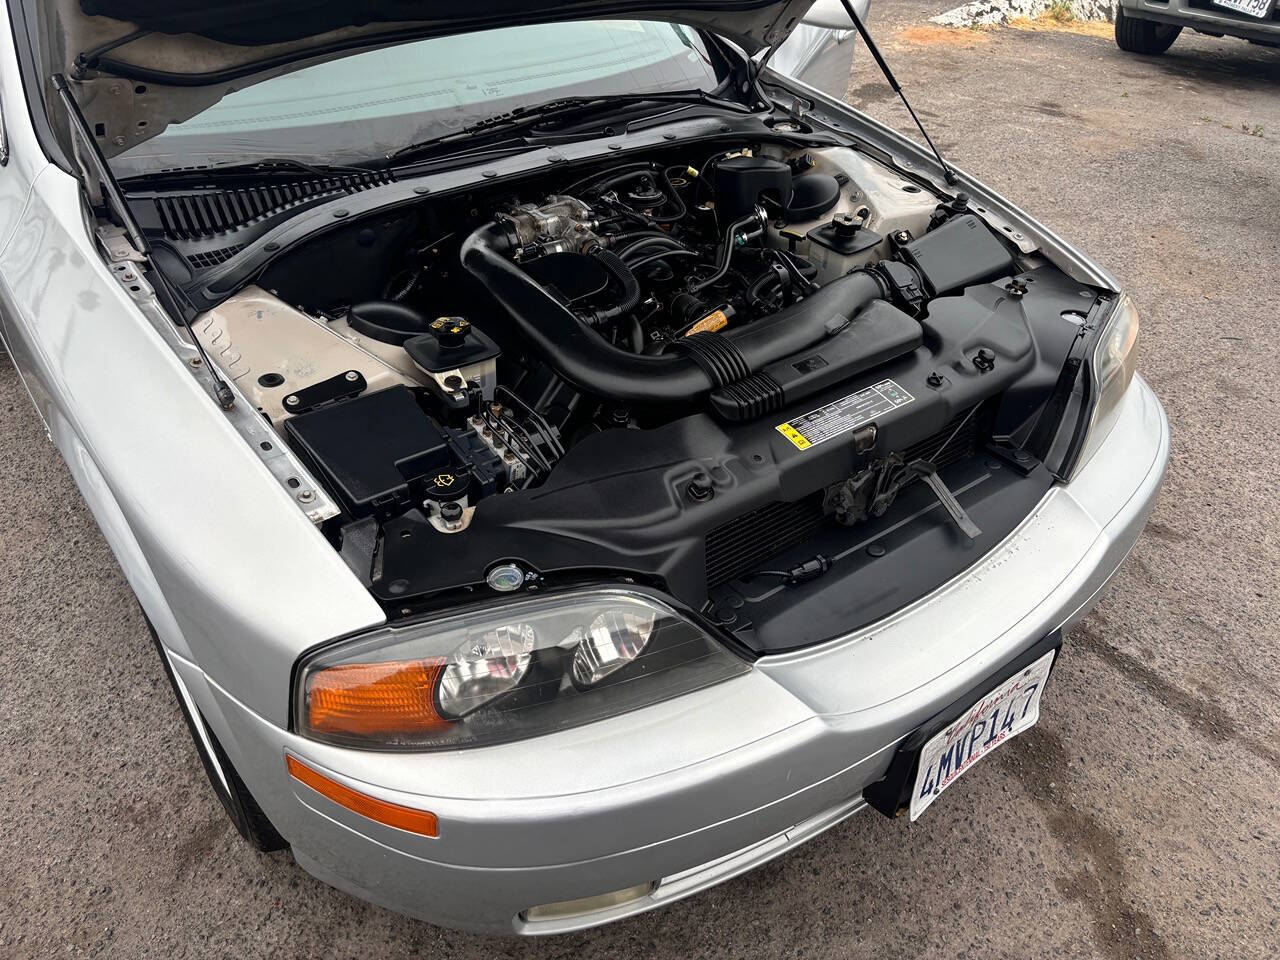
[{"x": 450, "y": 331}]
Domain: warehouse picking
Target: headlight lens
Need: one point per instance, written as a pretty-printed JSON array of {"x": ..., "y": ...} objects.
[
  {"x": 500, "y": 673},
  {"x": 1111, "y": 369},
  {"x": 614, "y": 639}
]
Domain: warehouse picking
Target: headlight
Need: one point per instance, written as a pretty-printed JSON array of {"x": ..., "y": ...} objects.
[
  {"x": 1111, "y": 369},
  {"x": 505, "y": 672}
]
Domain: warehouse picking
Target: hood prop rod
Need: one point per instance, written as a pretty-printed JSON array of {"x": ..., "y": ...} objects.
[
  {"x": 947, "y": 172},
  {"x": 94, "y": 166}
]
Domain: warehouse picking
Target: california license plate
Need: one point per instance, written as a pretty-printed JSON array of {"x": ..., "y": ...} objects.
[
  {"x": 994, "y": 720},
  {"x": 1253, "y": 8}
]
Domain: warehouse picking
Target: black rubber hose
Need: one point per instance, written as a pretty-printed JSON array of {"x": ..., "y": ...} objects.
[
  {"x": 392, "y": 292},
  {"x": 620, "y": 179},
  {"x": 659, "y": 257},
  {"x": 617, "y": 239},
  {"x": 662, "y": 181},
  {"x": 757, "y": 287},
  {"x": 673, "y": 198},
  {"x": 665, "y": 242},
  {"x": 595, "y": 366},
  {"x": 726, "y": 252},
  {"x": 630, "y": 285},
  {"x": 637, "y": 335}
]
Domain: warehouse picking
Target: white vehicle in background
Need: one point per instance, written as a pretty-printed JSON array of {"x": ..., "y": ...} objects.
[{"x": 819, "y": 51}]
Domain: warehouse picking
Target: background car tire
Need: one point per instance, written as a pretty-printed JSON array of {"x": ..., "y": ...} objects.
[
  {"x": 247, "y": 817},
  {"x": 1144, "y": 36}
]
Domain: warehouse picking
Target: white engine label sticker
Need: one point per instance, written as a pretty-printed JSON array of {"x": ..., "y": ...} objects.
[{"x": 846, "y": 414}]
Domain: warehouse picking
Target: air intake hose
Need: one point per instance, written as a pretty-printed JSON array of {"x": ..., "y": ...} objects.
[{"x": 703, "y": 362}]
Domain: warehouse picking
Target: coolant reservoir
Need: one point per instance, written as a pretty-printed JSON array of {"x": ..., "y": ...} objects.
[{"x": 875, "y": 197}]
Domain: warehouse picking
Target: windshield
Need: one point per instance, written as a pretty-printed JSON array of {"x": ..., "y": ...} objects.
[{"x": 366, "y": 105}]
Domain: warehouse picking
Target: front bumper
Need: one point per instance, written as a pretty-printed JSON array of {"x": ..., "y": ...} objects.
[
  {"x": 702, "y": 788},
  {"x": 1202, "y": 16}
]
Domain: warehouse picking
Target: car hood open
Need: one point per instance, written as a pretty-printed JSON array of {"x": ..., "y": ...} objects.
[{"x": 181, "y": 56}]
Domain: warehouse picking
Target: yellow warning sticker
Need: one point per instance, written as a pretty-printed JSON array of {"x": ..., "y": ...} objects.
[
  {"x": 844, "y": 415},
  {"x": 794, "y": 435}
]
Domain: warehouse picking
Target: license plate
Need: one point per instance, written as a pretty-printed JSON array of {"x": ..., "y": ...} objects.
[
  {"x": 1253, "y": 8},
  {"x": 997, "y": 718}
]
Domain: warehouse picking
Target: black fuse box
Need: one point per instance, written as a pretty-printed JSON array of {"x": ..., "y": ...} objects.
[{"x": 370, "y": 449}]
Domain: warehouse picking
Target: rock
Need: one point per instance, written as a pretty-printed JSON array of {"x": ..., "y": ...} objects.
[{"x": 996, "y": 12}]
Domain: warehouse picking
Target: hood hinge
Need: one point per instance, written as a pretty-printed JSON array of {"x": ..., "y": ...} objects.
[
  {"x": 99, "y": 182},
  {"x": 105, "y": 195}
]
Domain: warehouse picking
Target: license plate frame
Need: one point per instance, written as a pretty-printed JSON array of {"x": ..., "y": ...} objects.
[
  {"x": 1257, "y": 9},
  {"x": 891, "y": 796}
]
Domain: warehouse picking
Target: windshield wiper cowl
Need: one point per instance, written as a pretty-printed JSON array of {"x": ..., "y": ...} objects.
[{"x": 562, "y": 109}]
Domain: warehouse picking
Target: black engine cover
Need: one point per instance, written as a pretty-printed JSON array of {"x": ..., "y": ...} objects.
[{"x": 628, "y": 502}]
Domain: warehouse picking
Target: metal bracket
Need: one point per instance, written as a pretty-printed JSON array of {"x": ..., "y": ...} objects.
[
  {"x": 927, "y": 472},
  {"x": 117, "y": 243},
  {"x": 262, "y": 439}
]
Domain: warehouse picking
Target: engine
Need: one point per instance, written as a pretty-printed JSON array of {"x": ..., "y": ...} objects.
[{"x": 670, "y": 369}]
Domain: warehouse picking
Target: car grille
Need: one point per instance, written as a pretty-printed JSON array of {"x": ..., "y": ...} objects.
[{"x": 736, "y": 547}]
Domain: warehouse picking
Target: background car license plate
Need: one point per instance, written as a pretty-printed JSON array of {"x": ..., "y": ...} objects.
[
  {"x": 1002, "y": 714},
  {"x": 1254, "y": 8}
]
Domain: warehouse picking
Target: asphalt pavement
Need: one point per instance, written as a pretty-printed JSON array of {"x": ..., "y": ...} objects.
[{"x": 1139, "y": 819}]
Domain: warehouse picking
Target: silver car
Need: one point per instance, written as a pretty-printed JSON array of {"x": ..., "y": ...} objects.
[
  {"x": 565, "y": 460},
  {"x": 1151, "y": 26}
]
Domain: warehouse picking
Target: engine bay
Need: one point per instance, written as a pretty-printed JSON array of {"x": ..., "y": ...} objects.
[{"x": 725, "y": 374}]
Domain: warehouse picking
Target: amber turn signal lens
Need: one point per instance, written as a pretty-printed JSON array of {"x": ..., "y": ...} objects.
[
  {"x": 392, "y": 814},
  {"x": 375, "y": 699}
]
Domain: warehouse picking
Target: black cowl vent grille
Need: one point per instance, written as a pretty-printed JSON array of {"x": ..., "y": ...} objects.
[
  {"x": 208, "y": 213},
  {"x": 211, "y": 258}
]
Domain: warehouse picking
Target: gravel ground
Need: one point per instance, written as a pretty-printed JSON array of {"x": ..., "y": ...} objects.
[{"x": 1140, "y": 819}]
